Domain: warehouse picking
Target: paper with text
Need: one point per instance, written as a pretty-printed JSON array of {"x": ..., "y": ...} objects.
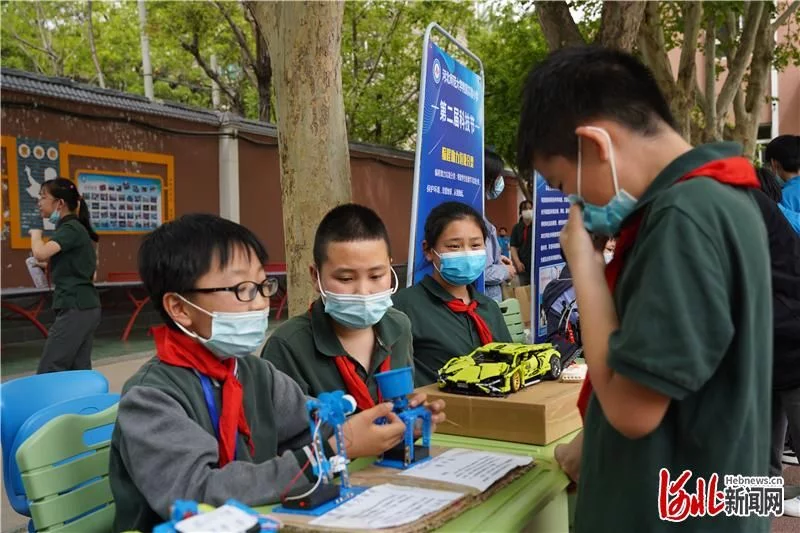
[
  {"x": 471, "y": 468},
  {"x": 386, "y": 506}
]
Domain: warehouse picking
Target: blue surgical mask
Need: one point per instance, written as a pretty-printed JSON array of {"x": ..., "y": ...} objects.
[
  {"x": 497, "y": 189},
  {"x": 607, "y": 219},
  {"x": 55, "y": 216},
  {"x": 232, "y": 334},
  {"x": 461, "y": 268},
  {"x": 357, "y": 311}
]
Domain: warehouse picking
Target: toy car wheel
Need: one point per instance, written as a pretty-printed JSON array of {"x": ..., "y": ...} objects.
[
  {"x": 555, "y": 367},
  {"x": 516, "y": 381}
]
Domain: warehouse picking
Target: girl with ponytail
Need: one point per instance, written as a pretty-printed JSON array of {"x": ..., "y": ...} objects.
[{"x": 73, "y": 262}]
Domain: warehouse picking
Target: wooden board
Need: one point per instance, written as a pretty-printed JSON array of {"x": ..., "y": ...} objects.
[{"x": 376, "y": 475}]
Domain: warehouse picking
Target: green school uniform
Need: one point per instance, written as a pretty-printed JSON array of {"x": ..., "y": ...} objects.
[
  {"x": 694, "y": 306},
  {"x": 73, "y": 267},
  {"x": 441, "y": 334},
  {"x": 305, "y": 347}
]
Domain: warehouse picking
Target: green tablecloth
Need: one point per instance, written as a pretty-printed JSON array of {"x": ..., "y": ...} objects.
[{"x": 538, "y": 498}]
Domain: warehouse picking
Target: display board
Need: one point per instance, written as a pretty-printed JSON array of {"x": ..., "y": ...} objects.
[
  {"x": 122, "y": 203},
  {"x": 449, "y": 156},
  {"x": 550, "y": 213}
]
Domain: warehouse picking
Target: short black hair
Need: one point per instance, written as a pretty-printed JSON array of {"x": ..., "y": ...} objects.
[
  {"x": 348, "y": 223},
  {"x": 522, "y": 205},
  {"x": 575, "y": 85},
  {"x": 785, "y": 149},
  {"x": 770, "y": 184},
  {"x": 493, "y": 165},
  {"x": 176, "y": 254},
  {"x": 443, "y": 214}
]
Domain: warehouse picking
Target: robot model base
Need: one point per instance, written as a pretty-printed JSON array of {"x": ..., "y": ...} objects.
[
  {"x": 330, "y": 408},
  {"x": 395, "y": 386}
]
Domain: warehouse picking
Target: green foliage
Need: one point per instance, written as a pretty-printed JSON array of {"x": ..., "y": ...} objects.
[{"x": 509, "y": 46}]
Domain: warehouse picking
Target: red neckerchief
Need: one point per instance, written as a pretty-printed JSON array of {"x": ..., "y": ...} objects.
[
  {"x": 176, "y": 349},
  {"x": 353, "y": 382},
  {"x": 458, "y": 306},
  {"x": 733, "y": 171}
]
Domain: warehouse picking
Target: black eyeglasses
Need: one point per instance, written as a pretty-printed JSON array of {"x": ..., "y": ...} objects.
[{"x": 246, "y": 291}]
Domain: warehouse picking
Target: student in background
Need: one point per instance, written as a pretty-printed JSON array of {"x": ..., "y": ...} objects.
[
  {"x": 521, "y": 242},
  {"x": 351, "y": 332},
  {"x": 783, "y": 158},
  {"x": 784, "y": 251},
  {"x": 448, "y": 316},
  {"x": 498, "y": 267},
  {"x": 73, "y": 264},
  {"x": 204, "y": 420},
  {"x": 677, "y": 329},
  {"x": 771, "y": 185},
  {"x": 502, "y": 237}
]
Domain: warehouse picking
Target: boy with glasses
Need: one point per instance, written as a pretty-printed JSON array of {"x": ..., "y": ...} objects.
[{"x": 204, "y": 420}]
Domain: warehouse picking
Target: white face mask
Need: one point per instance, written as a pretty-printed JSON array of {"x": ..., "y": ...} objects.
[
  {"x": 232, "y": 334},
  {"x": 608, "y": 256},
  {"x": 527, "y": 215},
  {"x": 357, "y": 311}
]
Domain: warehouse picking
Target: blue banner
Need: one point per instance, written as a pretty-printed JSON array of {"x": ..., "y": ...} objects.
[
  {"x": 550, "y": 213},
  {"x": 449, "y": 146}
]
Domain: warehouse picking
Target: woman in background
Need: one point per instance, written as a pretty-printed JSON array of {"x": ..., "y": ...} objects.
[{"x": 73, "y": 259}]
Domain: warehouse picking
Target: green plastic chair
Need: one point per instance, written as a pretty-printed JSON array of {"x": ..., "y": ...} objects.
[
  {"x": 66, "y": 480},
  {"x": 513, "y": 319}
]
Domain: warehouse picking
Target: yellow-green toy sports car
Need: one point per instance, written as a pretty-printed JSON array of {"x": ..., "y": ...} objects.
[{"x": 500, "y": 368}]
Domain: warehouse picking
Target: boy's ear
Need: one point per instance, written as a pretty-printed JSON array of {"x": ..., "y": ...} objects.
[
  {"x": 176, "y": 309},
  {"x": 427, "y": 251},
  {"x": 312, "y": 271},
  {"x": 593, "y": 139}
]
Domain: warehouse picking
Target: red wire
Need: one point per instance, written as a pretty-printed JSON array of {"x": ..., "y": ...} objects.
[{"x": 293, "y": 481}]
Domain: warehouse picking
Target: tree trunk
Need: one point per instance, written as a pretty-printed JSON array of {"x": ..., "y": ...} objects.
[
  {"x": 100, "y": 79},
  {"x": 683, "y": 101},
  {"x": 619, "y": 25},
  {"x": 304, "y": 41},
  {"x": 746, "y": 131},
  {"x": 557, "y": 25}
]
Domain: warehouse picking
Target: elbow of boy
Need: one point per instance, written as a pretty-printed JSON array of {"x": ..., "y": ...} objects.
[{"x": 634, "y": 425}]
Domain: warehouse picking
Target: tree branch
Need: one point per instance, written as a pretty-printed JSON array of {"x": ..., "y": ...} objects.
[
  {"x": 654, "y": 49},
  {"x": 96, "y": 60},
  {"x": 687, "y": 66},
  {"x": 738, "y": 68},
  {"x": 709, "y": 101},
  {"x": 237, "y": 32},
  {"x": 619, "y": 24},
  {"x": 388, "y": 36},
  {"x": 557, "y": 24},
  {"x": 783, "y": 17},
  {"x": 194, "y": 49}
]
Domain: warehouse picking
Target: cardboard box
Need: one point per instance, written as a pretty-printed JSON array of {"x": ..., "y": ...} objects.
[
  {"x": 523, "y": 295},
  {"x": 539, "y": 414}
]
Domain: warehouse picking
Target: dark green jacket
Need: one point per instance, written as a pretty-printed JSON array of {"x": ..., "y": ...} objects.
[
  {"x": 305, "y": 347},
  {"x": 441, "y": 334},
  {"x": 72, "y": 269}
]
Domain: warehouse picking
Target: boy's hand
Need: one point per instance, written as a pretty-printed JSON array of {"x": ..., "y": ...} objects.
[
  {"x": 436, "y": 408},
  {"x": 364, "y": 438},
  {"x": 577, "y": 243},
  {"x": 568, "y": 457},
  {"x": 35, "y": 233}
]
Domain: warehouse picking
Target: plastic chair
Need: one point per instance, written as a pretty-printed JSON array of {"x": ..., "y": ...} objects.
[
  {"x": 65, "y": 478},
  {"x": 513, "y": 318},
  {"x": 23, "y": 397},
  {"x": 85, "y": 405}
]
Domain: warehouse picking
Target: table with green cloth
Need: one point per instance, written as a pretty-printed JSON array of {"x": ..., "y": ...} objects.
[{"x": 537, "y": 501}]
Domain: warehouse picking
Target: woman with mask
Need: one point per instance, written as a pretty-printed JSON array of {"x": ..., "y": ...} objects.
[
  {"x": 351, "y": 332},
  {"x": 72, "y": 257},
  {"x": 448, "y": 316}
]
